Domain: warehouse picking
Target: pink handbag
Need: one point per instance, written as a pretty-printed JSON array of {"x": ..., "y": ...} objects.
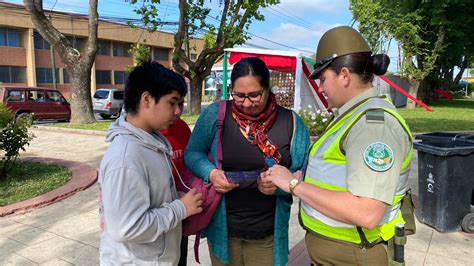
[{"x": 210, "y": 199}]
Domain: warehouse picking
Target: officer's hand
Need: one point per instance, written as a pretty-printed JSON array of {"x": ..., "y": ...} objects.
[
  {"x": 220, "y": 182},
  {"x": 280, "y": 176}
]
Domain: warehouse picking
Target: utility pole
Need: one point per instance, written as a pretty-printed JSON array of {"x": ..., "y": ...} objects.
[
  {"x": 380, "y": 50},
  {"x": 39, "y": 4}
]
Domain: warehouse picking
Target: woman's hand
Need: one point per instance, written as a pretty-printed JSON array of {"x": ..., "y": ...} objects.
[
  {"x": 220, "y": 182},
  {"x": 280, "y": 176},
  {"x": 266, "y": 186}
]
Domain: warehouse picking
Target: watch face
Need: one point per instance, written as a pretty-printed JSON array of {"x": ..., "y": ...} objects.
[{"x": 293, "y": 182}]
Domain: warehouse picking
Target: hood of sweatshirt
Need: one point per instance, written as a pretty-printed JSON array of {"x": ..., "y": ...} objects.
[{"x": 154, "y": 141}]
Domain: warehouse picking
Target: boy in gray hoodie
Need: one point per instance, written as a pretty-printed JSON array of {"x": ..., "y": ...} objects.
[{"x": 141, "y": 212}]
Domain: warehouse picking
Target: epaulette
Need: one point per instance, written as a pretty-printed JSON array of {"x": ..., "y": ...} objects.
[{"x": 375, "y": 116}]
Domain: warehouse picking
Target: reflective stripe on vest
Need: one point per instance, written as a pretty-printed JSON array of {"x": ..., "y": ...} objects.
[{"x": 327, "y": 169}]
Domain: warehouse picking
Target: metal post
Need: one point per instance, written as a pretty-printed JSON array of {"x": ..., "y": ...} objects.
[
  {"x": 467, "y": 84},
  {"x": 53, "y": 61},
  {"x": 53, "y": 67},
  {"x": 224, "y": 77}
]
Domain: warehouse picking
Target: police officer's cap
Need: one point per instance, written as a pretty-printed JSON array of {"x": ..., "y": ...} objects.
[{"x": 337, "y": 42}]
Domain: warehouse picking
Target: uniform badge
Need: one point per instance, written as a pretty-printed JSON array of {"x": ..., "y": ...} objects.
[{"x": 378, "y": 156}]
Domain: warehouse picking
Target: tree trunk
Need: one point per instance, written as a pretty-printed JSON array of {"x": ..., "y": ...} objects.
[
  {"x": 461, "y": 71},
  {"x": 196, "y": 95},
  {"x": 81, "y": 102},
  {"x": 413, "y": 91},
  {"x": 78, "y": 65}
]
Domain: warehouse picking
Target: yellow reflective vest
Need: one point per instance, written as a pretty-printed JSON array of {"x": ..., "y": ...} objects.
[{"x": 327, "y": 169}]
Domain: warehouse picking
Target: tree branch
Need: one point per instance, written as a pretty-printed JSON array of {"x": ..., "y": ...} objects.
[{"x": 92, "y": 36}]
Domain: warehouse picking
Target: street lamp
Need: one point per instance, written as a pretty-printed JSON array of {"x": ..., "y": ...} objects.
[{"x": 380, "y": 22}]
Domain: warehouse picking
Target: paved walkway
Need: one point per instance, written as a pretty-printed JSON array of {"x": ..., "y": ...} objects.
[{"x": 67, "y": 233}]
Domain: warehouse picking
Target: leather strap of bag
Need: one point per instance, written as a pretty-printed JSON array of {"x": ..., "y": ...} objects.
[
  {"x": 220, "y": 126},
  {"x": 220, "y": 157}
]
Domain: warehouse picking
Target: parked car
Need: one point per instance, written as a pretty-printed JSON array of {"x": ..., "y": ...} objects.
[
  {"x": 108, "y": 102},
  {"x": 43, "y": 103}
]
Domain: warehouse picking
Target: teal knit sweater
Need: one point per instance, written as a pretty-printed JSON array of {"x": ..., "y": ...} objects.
[{"x": 203, "y": 140}]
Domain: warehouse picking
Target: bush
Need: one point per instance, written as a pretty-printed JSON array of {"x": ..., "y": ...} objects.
[
  {"x": 314, "y": 120},
  {"x": 208, "y": 98},
  {"x": 458, "y": 90},
  {"x": 14, "y": 137}
]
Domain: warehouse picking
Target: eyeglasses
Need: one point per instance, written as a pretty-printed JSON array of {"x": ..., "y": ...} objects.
[{"x": 253, "y": 97}]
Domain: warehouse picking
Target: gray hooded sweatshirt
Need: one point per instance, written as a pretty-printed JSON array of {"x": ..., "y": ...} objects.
[{"x": 140, "y": 212}]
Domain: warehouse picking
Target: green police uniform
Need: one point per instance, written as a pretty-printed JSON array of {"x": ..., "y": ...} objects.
[{"x": 366, "y": 150}]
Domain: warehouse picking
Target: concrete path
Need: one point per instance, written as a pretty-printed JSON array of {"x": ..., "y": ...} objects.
[{"x": 67, "y": 232}]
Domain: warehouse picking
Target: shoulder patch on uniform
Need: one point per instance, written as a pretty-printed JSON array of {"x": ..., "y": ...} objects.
[
  {"x": 375, "y": 116},
  {"x": 378, "y": 156}
]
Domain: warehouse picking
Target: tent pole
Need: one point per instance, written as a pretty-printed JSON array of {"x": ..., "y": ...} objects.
[{"x": 224, "y": 77}]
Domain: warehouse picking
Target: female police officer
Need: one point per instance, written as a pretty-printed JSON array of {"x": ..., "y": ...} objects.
[{"x": 357, "y": 170}]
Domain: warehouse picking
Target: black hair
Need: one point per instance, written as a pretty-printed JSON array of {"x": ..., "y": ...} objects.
[
  {"x": 251, "y": 66},
  {"x": 154, "y": 78},
  {"x": 363, "y": 64}
]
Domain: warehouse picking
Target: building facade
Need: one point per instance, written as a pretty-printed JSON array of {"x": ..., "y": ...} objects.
[{"x": 26, "y": 58}]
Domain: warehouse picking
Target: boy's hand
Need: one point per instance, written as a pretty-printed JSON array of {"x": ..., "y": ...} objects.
[{"x": 192, "y": 201}]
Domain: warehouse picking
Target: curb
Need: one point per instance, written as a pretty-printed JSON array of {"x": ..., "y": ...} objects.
[
  {"x": 83, "y": 176},
  {"x": 70, "y": 130}
]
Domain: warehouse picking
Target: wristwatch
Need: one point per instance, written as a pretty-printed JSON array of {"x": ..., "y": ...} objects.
[{"x": 293, "y": 183}]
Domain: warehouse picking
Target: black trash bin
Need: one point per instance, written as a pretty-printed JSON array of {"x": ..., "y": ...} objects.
[
  {"x": 445, "y": 180},
  {"x": 446, "y": 136}
]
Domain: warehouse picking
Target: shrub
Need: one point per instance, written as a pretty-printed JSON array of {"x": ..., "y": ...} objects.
[
  {"x": 14, "y": 137},
  {"x": 314, "y": 120}
]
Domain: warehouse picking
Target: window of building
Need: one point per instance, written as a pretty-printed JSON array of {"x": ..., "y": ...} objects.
[
  {"x": 120, "y": 77},
  {"x": 160, "y": 54},
  {"x": 40, "y": 43},
  {"x": 9, "y": 37},
  {"x": 12, "y": 74},
  {"x": 103, "y": 48},
  {"x": 45, "y": 75},
  {"x": 103, "y": 77},
  {"x": 193, "y": 57},
  {"x": 121, "y": 49},
  {"x": 78, "y": 43},
  {"x": 66, "y": 79}
]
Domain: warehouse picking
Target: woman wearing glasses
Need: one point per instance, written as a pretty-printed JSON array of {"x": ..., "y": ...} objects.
[{"x": 250, "y": 226}]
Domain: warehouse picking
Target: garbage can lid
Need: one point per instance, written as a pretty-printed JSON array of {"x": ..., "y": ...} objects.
[
  {"x": 445, "y": 136},
  {"x": 445, "y": 148}
]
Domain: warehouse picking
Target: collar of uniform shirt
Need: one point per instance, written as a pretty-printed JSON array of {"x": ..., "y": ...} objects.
[{"x": 372, "y": 92}]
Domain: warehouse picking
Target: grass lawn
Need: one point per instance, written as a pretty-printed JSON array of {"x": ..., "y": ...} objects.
[
  {"x": 456, "y": 115},
  {"x": 30, "y": 179},
  {"x": 104, "y": 125}
]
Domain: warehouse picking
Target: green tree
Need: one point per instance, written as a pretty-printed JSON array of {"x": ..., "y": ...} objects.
[
  {"x": 140, "y": 52},
  {"x": 434, "y": 37},
  {"x": 77, "y": 65},
  {"x": 223, "y": 31}
]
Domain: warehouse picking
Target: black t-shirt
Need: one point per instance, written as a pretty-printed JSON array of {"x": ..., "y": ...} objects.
[{"x": 250, "y": 213}]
